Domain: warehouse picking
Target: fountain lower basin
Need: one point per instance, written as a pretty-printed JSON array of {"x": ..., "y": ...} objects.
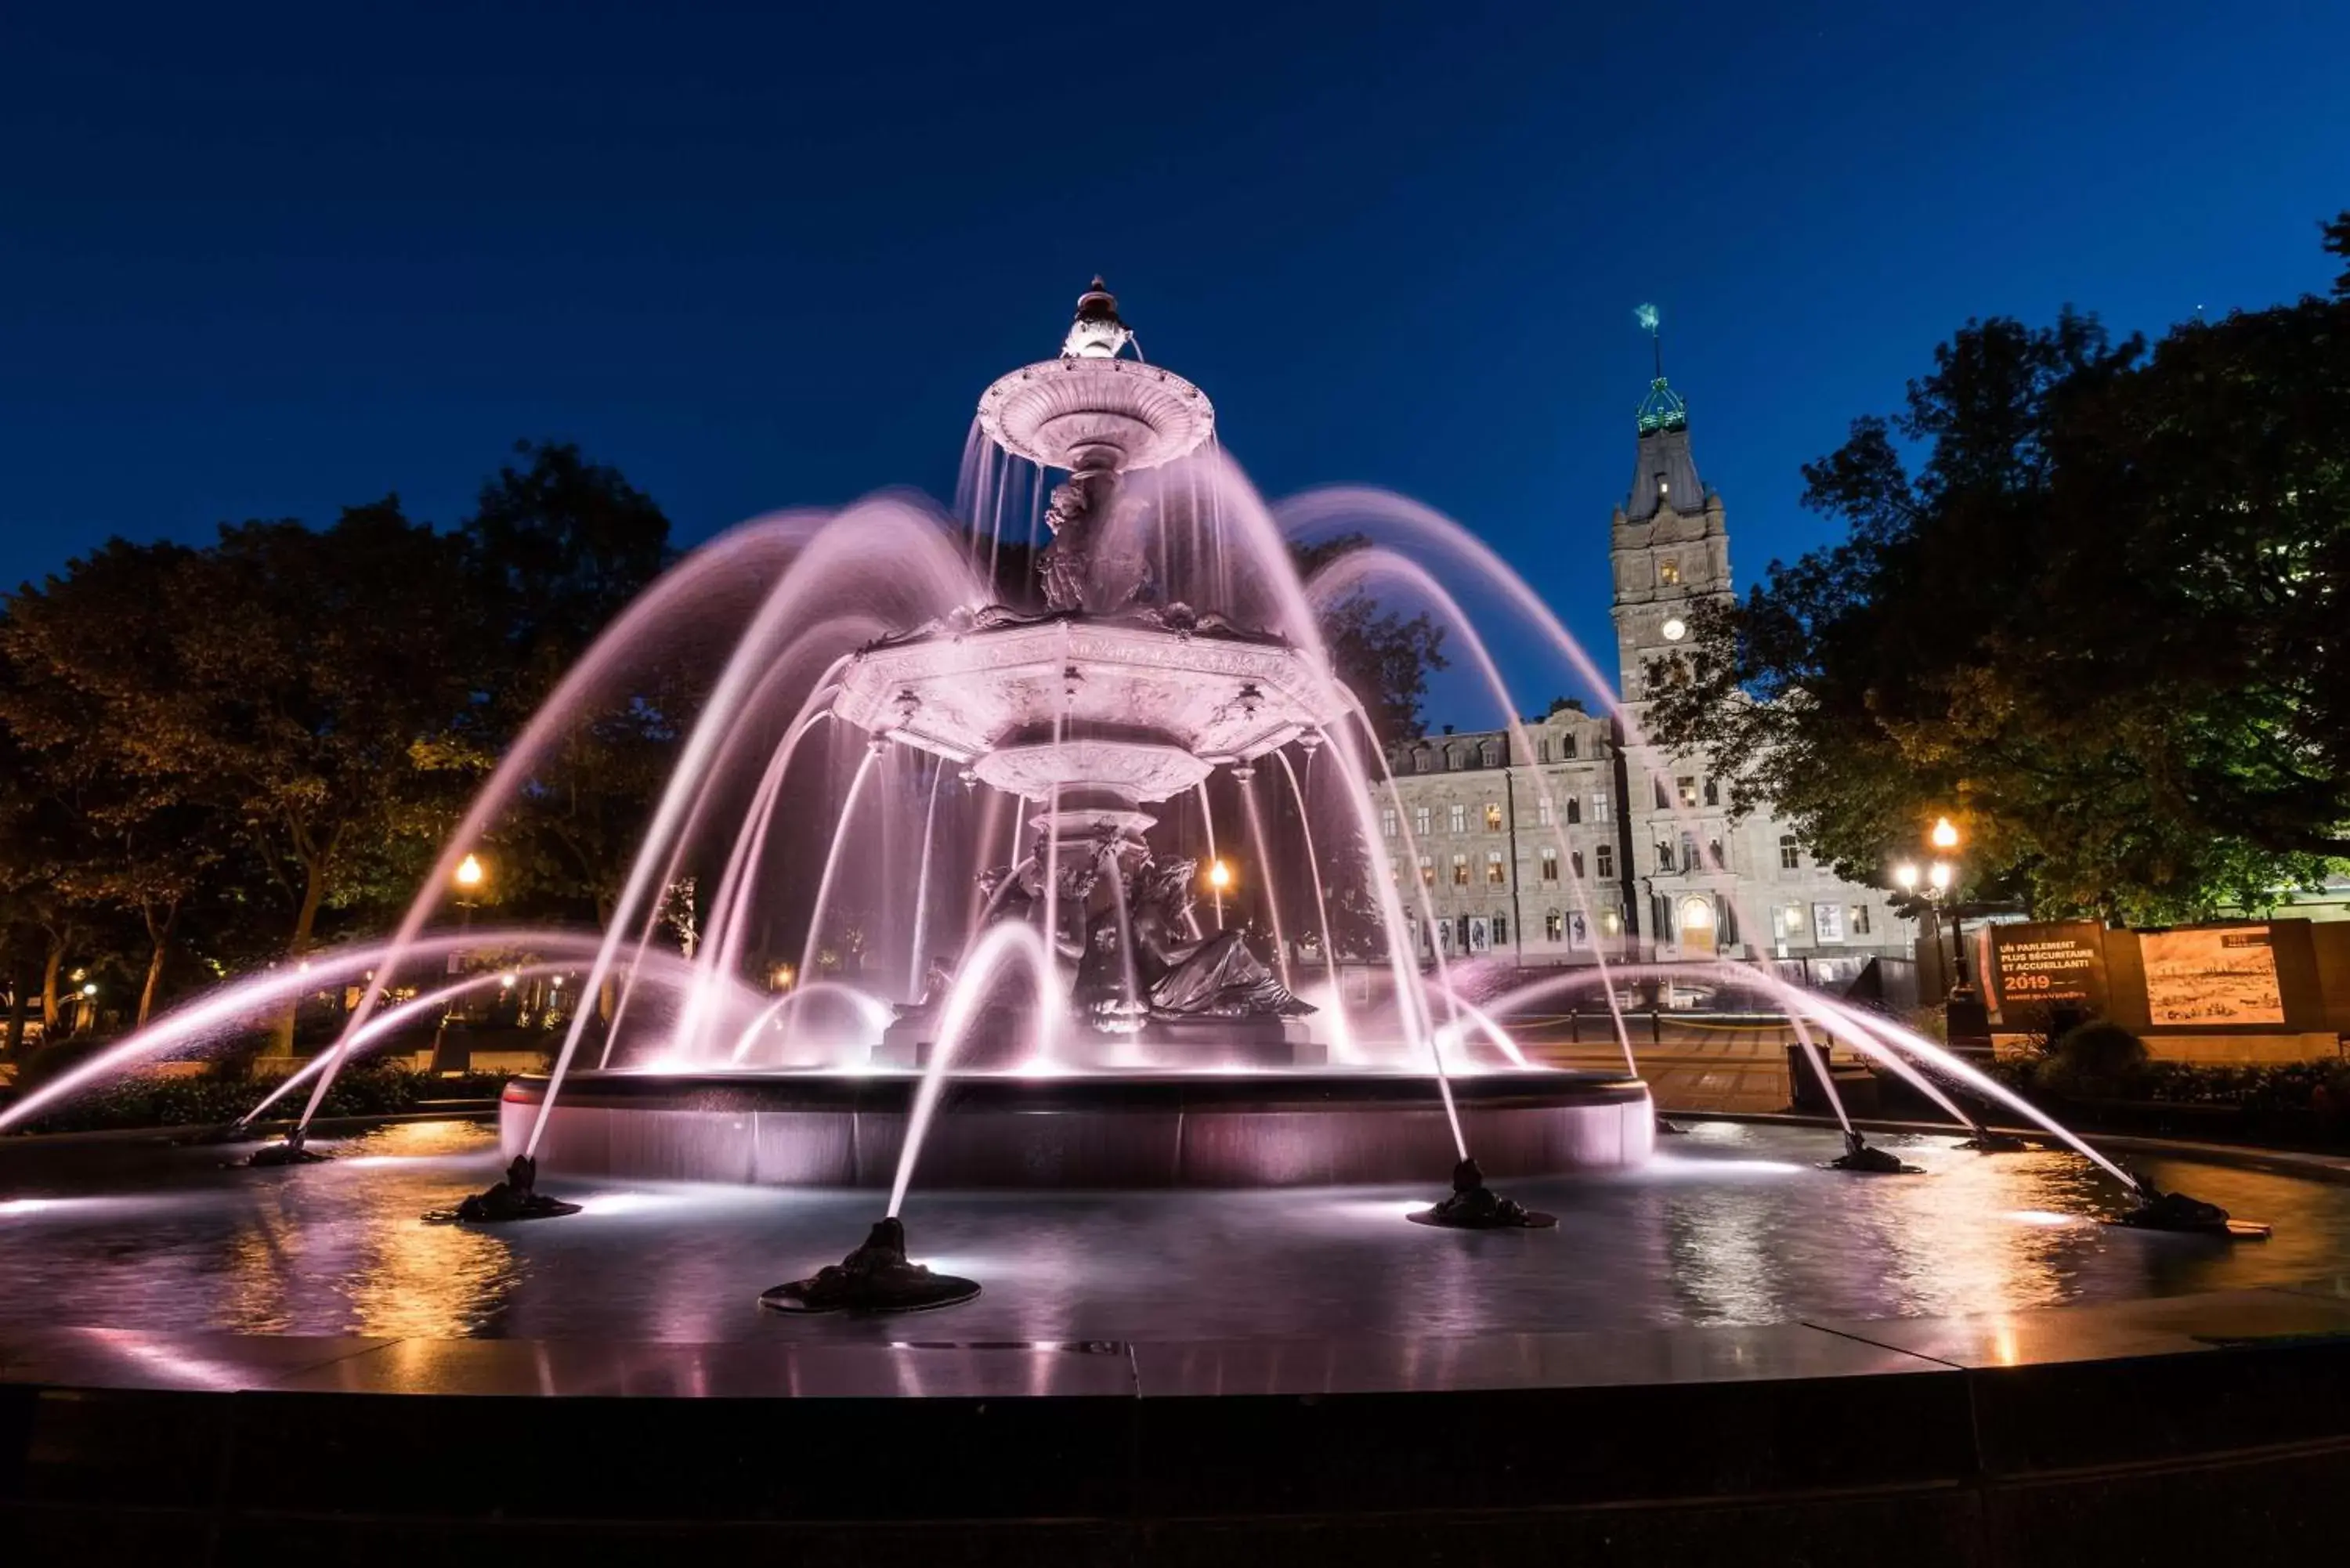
[{"x": 1081, "y": 1131}]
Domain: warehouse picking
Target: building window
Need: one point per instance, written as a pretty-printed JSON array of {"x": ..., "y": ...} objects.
[
  {"x": 1458, "y": 817},
  {"x": 1688, "y": 784},
  {"x": 1428, "y": 871},
  {"x": 1664, "y": 801},
  {"x": 1660, "y": 916},
  {"x": 1575, "y": 808},
  {"x": 1491, "y": 752},
  {"x": 1713, "y": 792},
  {"x": 1791, "y": 920},
  {"x": 1576, "y": 860},
  {"x": 1791, "y": 854},
  {"x": 1605, "y": 859},
  {"x": 1455, "y": 759},
  {"x": 1860, "y": 919},
  {"x": 1714, "y": 857},
  {"x": 1550, "y": 865},
  {"x": 1553, "y": 926},
  {"x": 1566, "y": 747},
  {"x": 1461, "y": 871},
  {"x": 1827, "y": 922},
  {"x": 1493, "y": 872},
  {"x": 1669, "y": 573},
  {"x": 1492, "y": 816},
  {"x": 1542, "y": 748},
  {"x": 1663, "y": 855},
  {"x": 1543, "y": 812},
  {"x": 1688, "y": 852},
  {"x": 1500, "y": 930},
  {"x": 1387, "y": 821},
  {"x": 1419, "y": 761},
  {"x": 1420, "y": 820},
  {"x": 1599, "y": 807}
]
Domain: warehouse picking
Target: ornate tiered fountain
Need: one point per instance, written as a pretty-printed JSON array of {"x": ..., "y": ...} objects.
[
  {"x": 1151, "y": 1049},
  {"x": 1109, "y": 700}
]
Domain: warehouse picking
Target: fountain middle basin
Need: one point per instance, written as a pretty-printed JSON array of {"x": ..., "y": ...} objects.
[{"x": 1010, "y": 1131}]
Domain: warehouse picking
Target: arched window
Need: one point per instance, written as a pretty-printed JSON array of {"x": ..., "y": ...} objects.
[
  {"x": 1713, "y": 792},
  {"x": 1697, "y": 919},
  {"x": 1566, "y": 747}
]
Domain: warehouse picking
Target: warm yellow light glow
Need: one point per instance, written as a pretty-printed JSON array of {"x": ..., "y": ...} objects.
[
  {"x": 90, "y": 990},
  {"x": 1945, "y": 834},
  {"x": 781, "y": 978},
  {"x": 506, "y": 980},
  {"x": 1939, "y": 875},
  {"x": 1220, "y": 876},
  {"x": 1905, "y": 875},
  {"x": 470, "y": 872}
]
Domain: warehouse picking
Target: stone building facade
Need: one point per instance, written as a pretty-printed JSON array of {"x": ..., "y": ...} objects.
[{"x": 1554, "y": 841}]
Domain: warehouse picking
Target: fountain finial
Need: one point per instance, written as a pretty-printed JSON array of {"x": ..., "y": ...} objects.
[{"x": 1097, "y": 333}]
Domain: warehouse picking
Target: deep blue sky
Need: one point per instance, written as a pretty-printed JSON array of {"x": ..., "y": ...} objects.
[{"x": 266, "y": 261}]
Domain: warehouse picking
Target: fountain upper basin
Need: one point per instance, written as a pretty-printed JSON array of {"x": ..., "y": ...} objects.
[
  {"x": 1080, "y": 412},
  {"x": 1142, "y": 702},
  {"x": 1081, "y": 1131}
]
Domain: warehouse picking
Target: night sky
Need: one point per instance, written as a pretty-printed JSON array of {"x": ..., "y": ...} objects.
[{"x": 268, "y": 261}]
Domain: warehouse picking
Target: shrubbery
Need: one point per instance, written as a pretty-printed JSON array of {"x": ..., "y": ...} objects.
[
  {"x": 142, "y": 1102},
  {"x": 2099, "y": 1059},
  {"x": 2098, "y": 1075}
]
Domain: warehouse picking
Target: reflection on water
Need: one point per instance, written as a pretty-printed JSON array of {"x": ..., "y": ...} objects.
[{"x": 1733, "y": 1224}]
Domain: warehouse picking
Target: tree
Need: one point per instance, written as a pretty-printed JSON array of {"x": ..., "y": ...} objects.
[
  {"x": 1384, "y": 657},
  {"x": 2100, "y": 620},
  {"x": 555, "y": 551},
  {"x": 278, "y": 679}
]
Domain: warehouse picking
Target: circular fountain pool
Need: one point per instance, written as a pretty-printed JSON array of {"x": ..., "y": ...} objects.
[
  {"x": 1148, "y": 1130},
  {"x": 1733, "y": 1224}
]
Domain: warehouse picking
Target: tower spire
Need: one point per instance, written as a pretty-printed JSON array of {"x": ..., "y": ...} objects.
[
  {"x": 1662, "y": 409},
  {"x": 1664, "y": 475}
]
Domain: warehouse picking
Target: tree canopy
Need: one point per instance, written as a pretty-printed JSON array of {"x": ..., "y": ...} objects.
[
  {"x": 202, "y": 745},
  {"x": 2090, "y": 602}
]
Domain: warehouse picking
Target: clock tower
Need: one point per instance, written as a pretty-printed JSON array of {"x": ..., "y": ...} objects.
[{"x": 1670, "y": 553}]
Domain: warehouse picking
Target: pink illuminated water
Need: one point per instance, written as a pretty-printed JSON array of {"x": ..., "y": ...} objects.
[{"x": 818, "y": 864}]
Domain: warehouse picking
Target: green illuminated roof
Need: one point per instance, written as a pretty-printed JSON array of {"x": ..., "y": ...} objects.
[{"x": 1662, "y": 409}]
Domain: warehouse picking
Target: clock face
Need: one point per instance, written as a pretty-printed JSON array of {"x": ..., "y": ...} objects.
[{"x": 1675, "y": 629}]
